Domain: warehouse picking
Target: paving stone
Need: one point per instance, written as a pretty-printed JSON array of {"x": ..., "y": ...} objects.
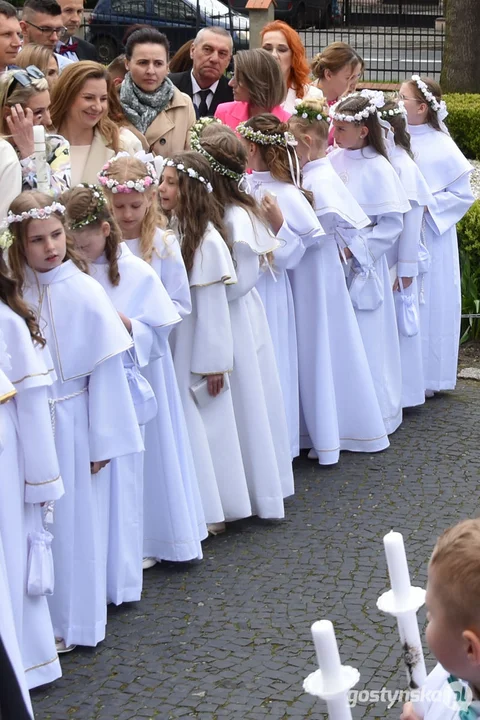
[{"x": 243, "y": 653}]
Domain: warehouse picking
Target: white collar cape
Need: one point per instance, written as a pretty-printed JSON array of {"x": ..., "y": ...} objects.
[
  {"x": 139, "y": 291},
  {"x": 411, "y": 177},
  {"x": 244, "y": 227},
  {"x": 212, "y": 262},
  {"x": 331, "y": 195},
  {"x": 371, "y": 179},
  {"x": 441, "y": 161},
  {"x": 29, "y": 365},
  {"x": 86, "y": 328},
  {"x": 299, "y": 214}
]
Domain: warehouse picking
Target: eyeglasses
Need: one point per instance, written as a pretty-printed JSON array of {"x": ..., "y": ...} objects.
[
  {"x": 24, "y": 77},
  {"x": 60, "y": 31}
]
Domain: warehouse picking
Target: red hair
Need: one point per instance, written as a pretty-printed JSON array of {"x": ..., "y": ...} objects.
[{"x": 299, "y": 71}]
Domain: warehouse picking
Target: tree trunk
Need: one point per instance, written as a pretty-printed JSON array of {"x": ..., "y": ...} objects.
[{"x": 461, "y": 58}]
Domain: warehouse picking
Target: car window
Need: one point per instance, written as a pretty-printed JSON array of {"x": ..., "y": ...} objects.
[
  {"x": 173, "y": 10},
  {"x": 129, "y": 7}
]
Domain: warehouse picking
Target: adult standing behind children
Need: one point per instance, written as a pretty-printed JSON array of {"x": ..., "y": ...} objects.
[
  {"x": 73, "y": 47},
  {"x": 10, "y": 35},
  {"x": 42, "y": 24},
  {"x": 150, "y": 101}
]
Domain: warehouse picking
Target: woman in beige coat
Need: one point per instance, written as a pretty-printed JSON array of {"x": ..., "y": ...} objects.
[
  {"x": 150, "y": 101},
  {"x": 79, "y": 112}
]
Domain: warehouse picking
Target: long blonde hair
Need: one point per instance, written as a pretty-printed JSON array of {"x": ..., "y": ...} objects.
[
  {"x": 20, "y": 95},
  {"x": 123, "y": 170},
  {"x": 68, "y": 87}
]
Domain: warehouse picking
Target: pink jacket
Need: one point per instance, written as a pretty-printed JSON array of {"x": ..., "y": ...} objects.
[{"x": 233, "y": 113}]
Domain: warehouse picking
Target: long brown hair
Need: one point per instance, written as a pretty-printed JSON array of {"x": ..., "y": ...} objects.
[
  {"x": 124, "y": 169},
  {"x": 68, "y": 87},
  {"x": 355, "y": 104},
  {"x": 399, "y": 126},
  {"x": 11, "y": 295},
  {"x": 17, "y": 259},
  {"x": 81, "y": 202},
  {"x": 436, "y": 90},
  {"x": 195, "y": 206},
  {"x": 275, "y": 156},
  {"x": 259, "y": 72}
]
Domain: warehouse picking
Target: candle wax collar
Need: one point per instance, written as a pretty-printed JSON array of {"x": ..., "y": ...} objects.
[
  {"x": 387, "y": 602},
  {"x": 314, "y": 684}
]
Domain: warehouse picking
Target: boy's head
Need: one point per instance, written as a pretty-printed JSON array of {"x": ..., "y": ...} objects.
[{"x": 453, "y": 601}]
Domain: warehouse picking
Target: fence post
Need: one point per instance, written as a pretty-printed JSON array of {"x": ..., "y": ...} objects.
[{"x": 260, "y": 13}]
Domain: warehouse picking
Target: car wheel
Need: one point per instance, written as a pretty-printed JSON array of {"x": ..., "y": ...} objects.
[
  {"x": 301, "y": 17},
  {"x": 107, "y": 49}
]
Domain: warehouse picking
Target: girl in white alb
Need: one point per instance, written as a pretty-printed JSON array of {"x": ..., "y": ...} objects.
[
  {"x": 203, "y": 343},
  {"x": 256, "y": 392},
  {"x": 29, "y": 474},
  {"x": 362, "y": 163},
  {"x": 174, "y": 523},
  {"x": 91, "y": 407},
  {"x": 338, "y": 402},
  {"x": 404, "y": 255},
  {"x": 149, "y": 315},
  {"x": 272, "y": 157},
  {"x": 447, "y": 173}
]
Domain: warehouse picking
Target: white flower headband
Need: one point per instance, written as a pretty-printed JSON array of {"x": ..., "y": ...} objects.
[
  {"x": 191, "y": 172},
  {"x": 400, "y": 109},
  {"x": 377, "y": 100},
  {"x": 100, "y": 203},
  {"x": 129, "y": 186},
  {"x": 439, "y": 107},
  {"x": 306, "y": 112},
  {"x": 216, "y": 166},
  {"x": 257, "y": 136},
  {"x": 6, "y": 235}
]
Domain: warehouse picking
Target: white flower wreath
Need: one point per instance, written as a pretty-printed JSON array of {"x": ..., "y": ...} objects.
[
  {"x": 376, "y": 98},
  {"x": 256, "y": 136},
  {"x": 191, "y": 172},
  {"x": 439, "y": 107},
  {"x": 399, "y": 110}
]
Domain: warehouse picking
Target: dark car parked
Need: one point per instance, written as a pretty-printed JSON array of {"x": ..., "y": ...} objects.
[
  {"x": 297, "y": 13},
  {"x": 178, "y": 19}
]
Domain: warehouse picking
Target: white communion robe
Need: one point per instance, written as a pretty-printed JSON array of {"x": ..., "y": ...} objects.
[
  {"x": 338, "y": 402},
  {"x": 174, "y": 522},
  {"x": 141, "y": 297},
  {"x": 94, "y": 419},
  {"x": 375, "y": 186},
  {"x": 203, "y": 345},
  {"x": 7, "y": 622},
  {"x": 439, "y": 697},
  {"x": 403, "y": 261},
  {"x": 29, "y": 476},
  {"x": 447, "y": 173},
  {"x": 256, "y": 391},
  {"x": 300, "y": 230}
]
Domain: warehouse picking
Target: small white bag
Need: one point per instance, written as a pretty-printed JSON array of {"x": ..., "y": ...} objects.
[
  {"x": 366, "y": 290},
  {"x": 406, "y": 309},
  {"x": 40, "y": 573},
  {"x": 142, "y": 394}
]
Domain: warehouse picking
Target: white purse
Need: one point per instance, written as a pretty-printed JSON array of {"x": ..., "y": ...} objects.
[
  {"x": 406, "y": 309},
  {"x": 40, "y": 572},
  {"x": 143, "y": 397}
]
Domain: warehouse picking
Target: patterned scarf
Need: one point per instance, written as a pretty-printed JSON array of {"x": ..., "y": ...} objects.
[{"x": 140, "y": 107}]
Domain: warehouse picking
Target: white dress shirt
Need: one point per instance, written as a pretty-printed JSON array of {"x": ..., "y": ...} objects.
[{"x": 196, "y": 89}]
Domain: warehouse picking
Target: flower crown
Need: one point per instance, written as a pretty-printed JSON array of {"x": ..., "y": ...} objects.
[
  {"x": 306, "y": 112},
  {"x": 93, "y": 217},
  {"x": 129, "y": 186},
  {"x": 439, "y": 107},
  {"x": 257, "y": 136},
  {"x": 377, "y": 101},
  {"x": 191, "y": 172},
  {"x": 6, "y": 235},
  {"x": 197, "y": 146},
  {"x": 400, "y": 109}
]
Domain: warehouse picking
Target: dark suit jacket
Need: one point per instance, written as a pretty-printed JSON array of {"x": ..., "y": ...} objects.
[
  {"x": 85, "y": 50},
  {"x": 223, "y": 93}
]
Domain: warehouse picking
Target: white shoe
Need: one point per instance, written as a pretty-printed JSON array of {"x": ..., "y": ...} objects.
[
  {"x": 61, "y": 647},
  {"x": 216, "y": 528},
  {"x": 312, "y": 455},
  {"x": 429, "y": 393},
  {"x": 148, "y": 563}
]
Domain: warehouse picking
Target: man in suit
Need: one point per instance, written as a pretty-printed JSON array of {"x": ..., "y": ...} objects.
[
  {"x": 42, "y": 24},
  {"x": 74, "y": 47},
  {"x": 206, "y": 83}
]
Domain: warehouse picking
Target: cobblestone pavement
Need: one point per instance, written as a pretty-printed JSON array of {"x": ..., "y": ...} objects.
[{"x": 230, "y": 637}]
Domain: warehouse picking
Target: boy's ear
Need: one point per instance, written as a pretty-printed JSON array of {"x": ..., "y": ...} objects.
[{"x": 472, "y": 644}]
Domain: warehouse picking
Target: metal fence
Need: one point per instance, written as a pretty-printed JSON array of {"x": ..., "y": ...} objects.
[{"x": 396, "y": 39}]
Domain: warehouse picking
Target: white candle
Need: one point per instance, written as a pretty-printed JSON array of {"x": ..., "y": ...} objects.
[
  {"x": 43, "y": 183},
  {"x": 327, "y": 653},
  {"x": 38, "y": 134},
  {"x": 397, "y": 566}
]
